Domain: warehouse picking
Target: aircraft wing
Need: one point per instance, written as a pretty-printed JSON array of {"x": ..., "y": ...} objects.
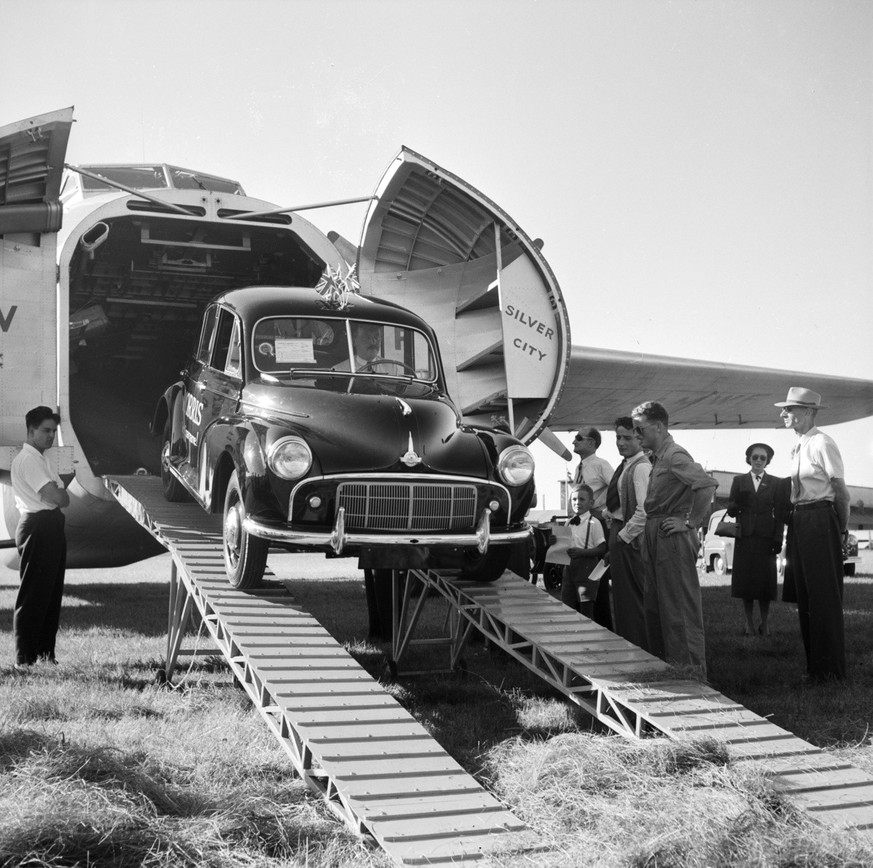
[{"x": 604, "y": 384}]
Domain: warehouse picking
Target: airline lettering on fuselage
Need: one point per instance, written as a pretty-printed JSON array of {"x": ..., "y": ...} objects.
[
  {"x": 6, "y": 318},
  {"x": 542, "y": 328},
  {"x": 193, "y": 409},
  {"x": 536, "y": 325},
  {"x": 531, "y": 350}
]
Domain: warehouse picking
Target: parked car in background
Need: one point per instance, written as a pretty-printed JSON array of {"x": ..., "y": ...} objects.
[
  {"x": 718, "y": 551},
  {"x": 326, "y": 426},
  {"x": 850, "y": 555}
]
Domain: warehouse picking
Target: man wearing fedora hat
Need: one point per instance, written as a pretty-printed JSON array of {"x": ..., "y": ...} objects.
[{"x": 819, "y": 522}]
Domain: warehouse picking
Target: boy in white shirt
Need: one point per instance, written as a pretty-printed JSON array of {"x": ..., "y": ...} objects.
[{"x": 589, "y": 545}]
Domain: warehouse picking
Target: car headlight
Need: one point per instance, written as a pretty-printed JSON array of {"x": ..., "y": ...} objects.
[
  {"x": 515, "y": 465},
  {"x": 289, "y": 457}
]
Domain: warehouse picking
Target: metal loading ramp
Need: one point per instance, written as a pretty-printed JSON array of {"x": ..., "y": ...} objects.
[
  {"x": 350, "y": 741},
  {"x": 631, "y": 691}
]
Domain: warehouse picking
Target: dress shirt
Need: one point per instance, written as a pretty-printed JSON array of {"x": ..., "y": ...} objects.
[
  {"x": 641, "y": 473},
  {"x": 586, "y": 528},
  {"x": 817, "y": 461},
  {"x": 595, "y": 472},
  {"x": 30, "y": 472}
]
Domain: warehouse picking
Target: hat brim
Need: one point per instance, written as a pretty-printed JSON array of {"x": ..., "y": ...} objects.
[{"x": 800, "y": 404}]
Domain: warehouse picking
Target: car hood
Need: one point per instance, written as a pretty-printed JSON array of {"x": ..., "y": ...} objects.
[{"x": 372, "y": 433}]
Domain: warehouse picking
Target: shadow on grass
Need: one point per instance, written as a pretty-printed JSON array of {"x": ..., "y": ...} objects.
[
  {"x": 765, "y": 673},
  {"x": 140, "y": 607}
]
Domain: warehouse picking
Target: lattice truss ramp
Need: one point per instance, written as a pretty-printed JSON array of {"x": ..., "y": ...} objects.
[
  {"x": 348, "y": 739},
  {"x": 627, "y": 689}
]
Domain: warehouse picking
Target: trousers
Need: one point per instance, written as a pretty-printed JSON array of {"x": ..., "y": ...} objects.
[
  {"x": 816, "y": 559},
  {"x": 42, "y": 548},
  {"x": 626, "y": 569},
  {"x": 673, "y": 604}
]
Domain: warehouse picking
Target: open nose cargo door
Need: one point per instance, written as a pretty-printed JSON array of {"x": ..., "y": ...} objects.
[{"x": 435, "y": 244}]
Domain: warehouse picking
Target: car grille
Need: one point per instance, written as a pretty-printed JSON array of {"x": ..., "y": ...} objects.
[{"x": 407, "y": 505}]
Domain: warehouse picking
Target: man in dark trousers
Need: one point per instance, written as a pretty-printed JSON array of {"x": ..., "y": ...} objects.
[
  {"x": 626, "y": 517},
  {"x": 42, "y": 546},
  {"x": 819, "y": 526}
]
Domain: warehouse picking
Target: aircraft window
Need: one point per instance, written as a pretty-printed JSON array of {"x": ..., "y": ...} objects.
[
  {"x": 206, "y": 335},
  {"x": 221, "y": 345},
  {"x": 187, "y": 179},
  {"x": 138, "y": 177}
]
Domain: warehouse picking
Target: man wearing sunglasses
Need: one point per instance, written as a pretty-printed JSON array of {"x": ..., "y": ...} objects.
[{"x": 677, "y": 503}]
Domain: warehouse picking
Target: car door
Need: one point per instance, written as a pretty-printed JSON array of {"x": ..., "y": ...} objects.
[{"x": 216, "y": 394}]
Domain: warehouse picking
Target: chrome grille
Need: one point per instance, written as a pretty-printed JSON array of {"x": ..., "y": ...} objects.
[{"x": 407, "y": 506}]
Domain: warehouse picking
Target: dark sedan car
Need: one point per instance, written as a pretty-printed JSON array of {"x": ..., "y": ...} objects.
[{"x": 323, "y": 424}]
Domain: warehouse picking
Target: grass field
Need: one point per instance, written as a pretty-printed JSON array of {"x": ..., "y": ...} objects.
[{"x": 101, "y": 766}]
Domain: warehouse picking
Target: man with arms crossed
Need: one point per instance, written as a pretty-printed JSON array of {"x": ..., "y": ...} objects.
[
  {"x": 42, "y": 546},
  {"x": 626, "y": 518},
  {"x": 819, "y": 522},
  {"x": 677, "y": 503}
]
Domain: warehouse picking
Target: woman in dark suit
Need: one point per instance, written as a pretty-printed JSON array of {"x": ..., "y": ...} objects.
[{"x": 754, "y": 502}]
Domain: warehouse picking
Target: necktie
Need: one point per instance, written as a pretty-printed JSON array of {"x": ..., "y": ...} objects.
[
  {"x": 757, "y": 481},
  {"x": 574, "y": 520},
  {"x": 613, "y": 501}
]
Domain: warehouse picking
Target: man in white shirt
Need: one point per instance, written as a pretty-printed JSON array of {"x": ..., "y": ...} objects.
[
  {"x": 367, "y": 345},
  {"x": 42, "y": 547},
  {"x": 592, "y": 470},
  {"x": 819, "y": 526},
  {"x": 626, "y": 517}
]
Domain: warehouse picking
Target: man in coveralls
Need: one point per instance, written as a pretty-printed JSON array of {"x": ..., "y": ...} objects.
[
  {"x": 819, "y": 526},
  {"x": 677, "y": 504},
  {"x": 42, "y": 546}
]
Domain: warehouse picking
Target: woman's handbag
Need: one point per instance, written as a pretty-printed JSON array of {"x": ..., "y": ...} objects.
[{"x": 728, "y": 528}]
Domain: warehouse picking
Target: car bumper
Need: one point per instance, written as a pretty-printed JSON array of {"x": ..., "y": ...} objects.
[{"x": 339, "y": 539}]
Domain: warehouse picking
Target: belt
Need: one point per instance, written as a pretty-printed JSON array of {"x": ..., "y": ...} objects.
[
  {"x": 660, "y": 515},
  {"x": 815, "y": 504}
]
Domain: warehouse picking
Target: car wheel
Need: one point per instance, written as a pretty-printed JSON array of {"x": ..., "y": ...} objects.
[
  {"x": 245, "y": 556},
  {"x": 718, "y": 565},
  {"x": 848, "y": 569},
  {"x": 174, "y": 491},
  {"x": 485, "y": 568},
  {"x": 553, "y": 577}
]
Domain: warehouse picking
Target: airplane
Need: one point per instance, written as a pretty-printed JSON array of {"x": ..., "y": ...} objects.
[{"x": 105, "y": 271}]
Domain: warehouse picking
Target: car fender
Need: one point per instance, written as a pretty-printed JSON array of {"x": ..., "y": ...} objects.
[
  {"x": 163, "y": 409},
  {"x": 222, "y": 444},
  {"x": 493, "y": 442}
]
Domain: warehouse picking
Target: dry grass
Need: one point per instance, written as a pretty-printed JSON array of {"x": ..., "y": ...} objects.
[
  {"x": 606, "y": 801},
  {"x": 101, "y": 766}
]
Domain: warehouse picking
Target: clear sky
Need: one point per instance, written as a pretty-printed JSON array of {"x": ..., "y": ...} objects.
[{"x": 700, "y": 171}]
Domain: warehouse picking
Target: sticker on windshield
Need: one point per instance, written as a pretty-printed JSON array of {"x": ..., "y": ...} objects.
[{"x": 294, "y": 351}]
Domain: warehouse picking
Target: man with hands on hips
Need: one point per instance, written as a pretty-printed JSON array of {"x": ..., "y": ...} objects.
[{"x": 677, "y": 504}]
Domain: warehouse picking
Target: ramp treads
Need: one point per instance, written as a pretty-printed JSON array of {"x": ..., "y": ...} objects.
[
  {"x": 349, "y": 739},
  {"x": 627, "y": 688}
]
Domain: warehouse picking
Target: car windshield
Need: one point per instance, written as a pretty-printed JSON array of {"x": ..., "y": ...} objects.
[{"x": 347, "y": 355}]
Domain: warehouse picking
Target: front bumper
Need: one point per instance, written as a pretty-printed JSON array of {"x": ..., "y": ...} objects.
[{"x": 339, "y": 539}]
